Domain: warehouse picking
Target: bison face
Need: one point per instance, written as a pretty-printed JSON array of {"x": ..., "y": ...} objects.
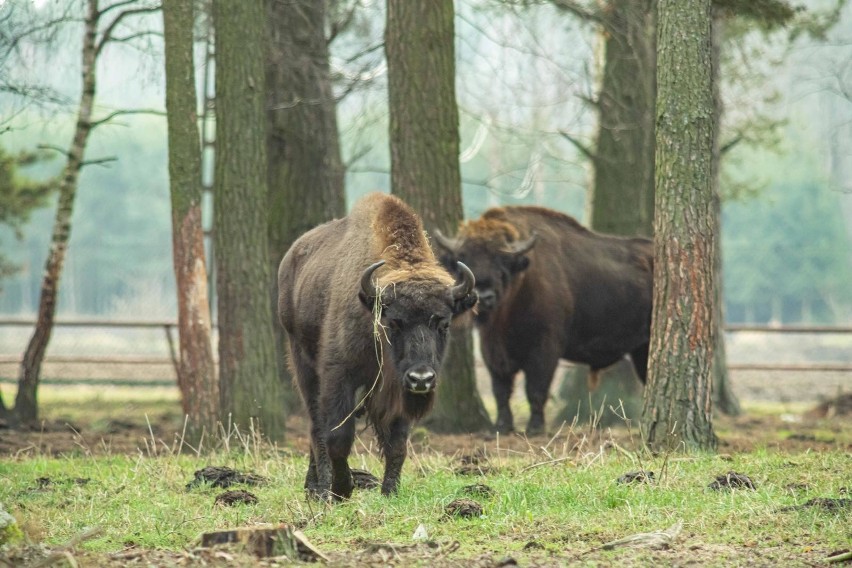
[
  {"x": 495, "y": 267},
  {"x": 415, "y": 321}
]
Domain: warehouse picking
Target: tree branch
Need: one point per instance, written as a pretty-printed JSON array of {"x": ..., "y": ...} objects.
[
  {"x": 729, "y": 145},
  {"x": 95, "y": 123},
  {"x": 116, "y": 5},
  {"x": 98, "y": 161},
  {"x": 106, "y": 37},
  {"x": 585, "y": 150},
  {"x": 583, "y": 12},
  {"x": 130, "y": 37}
]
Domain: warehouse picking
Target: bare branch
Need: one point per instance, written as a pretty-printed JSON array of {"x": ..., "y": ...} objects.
[
  {"x": 124, "y": 39},
  {"x": 98, "y": 161},
  {"x": 95, "y": 123},
  {"x": 63, "y": 151},
  {"x": 729, "y": 145},
  {"x": 340, "y": 26},
  {"x": 106, "y": 37},
  {"x": 116, "y": 5},
  {"x": 583, "y": 12},
  {"x": 585, "y": 150}
]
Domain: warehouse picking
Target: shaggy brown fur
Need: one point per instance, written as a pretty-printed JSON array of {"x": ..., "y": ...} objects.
[
  {"x": 346, "y": 345},
  {"x": 577, "y": 295}
]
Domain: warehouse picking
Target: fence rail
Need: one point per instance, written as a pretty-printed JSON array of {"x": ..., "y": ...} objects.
[{"x": 168, "y": 326}]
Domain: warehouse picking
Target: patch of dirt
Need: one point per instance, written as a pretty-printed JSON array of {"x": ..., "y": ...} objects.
[
  {"x": 47, "y": 483},
  {"x": 732, "y": 480},
  {"x": 823, "y": 503},
  {"x": 235, "y": 497},
  {"x": 224, "y": 477},
  {"x": 463, "y": 508},
  {"x": 838, "y": 406},
  {"x": 474, "y": 464}
]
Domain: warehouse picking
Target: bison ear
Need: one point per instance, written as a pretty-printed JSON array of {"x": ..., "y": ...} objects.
[
  {"x": 466, "y": 303},
  {"x": 519, "y": 264}
]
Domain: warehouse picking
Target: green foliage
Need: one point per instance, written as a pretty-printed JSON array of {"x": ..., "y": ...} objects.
[
  {"x": 19, "y": 196},
  {"x": 790, "y": 246}
]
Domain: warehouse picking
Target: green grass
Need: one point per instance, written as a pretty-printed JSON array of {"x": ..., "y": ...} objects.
[{"x": 567, "y": 507}]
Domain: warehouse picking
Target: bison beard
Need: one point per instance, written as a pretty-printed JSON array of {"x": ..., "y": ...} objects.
[
  {"x": 550, "y": 289},
  {"x": 350, "y": 332}
]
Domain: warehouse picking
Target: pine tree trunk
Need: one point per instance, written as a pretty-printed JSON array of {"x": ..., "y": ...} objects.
[
  {"x": 622, "y": 200},
  {"x": 724, "y": 399},
  {"x": 196, "y": 373},
  {"x": 305, "y": 166},
  {"x": 26, "y": 403},
  {"x": 678, "y": 403},
  {"x": 622, "y": 197},
  {"x": 425, "y": 172},
  {"x": 250, "y": 390}
]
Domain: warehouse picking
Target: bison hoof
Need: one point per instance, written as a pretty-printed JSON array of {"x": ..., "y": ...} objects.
[
  {"x": 535, "y": 427},
  {"x": 504, "y": 428}
]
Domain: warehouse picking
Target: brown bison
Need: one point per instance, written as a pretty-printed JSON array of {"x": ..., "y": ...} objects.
[
  {"x": 550, "y": 289},
  {"x": 358, "y": 343}
]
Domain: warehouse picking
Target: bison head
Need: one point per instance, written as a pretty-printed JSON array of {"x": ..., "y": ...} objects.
[
  {"x": 495, "y": 264},
  {"x": 415, "y": 316}
]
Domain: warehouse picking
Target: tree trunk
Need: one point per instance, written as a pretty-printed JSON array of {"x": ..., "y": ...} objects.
[
  {"x": 724, "y": 398},
  {"x": 26, "y": 404},
  {"x": 622, "y": 200},
  {"x": 251, "y": 393},
  {"x": 622, "y": 196},
  {"x": 678, "y": 402},
  {"x": 305, "y": 167},
  {"x": 424, "y": 139},
  {"x": 196, "y": 372}
]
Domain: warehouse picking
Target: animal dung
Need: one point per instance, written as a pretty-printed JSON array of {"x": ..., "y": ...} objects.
[
  {"x": 478, "y": 490},
  {"x": 363, "y": 479},
  {"x": 234, "y": 497},
  {"x": 224, "y": 477},
  {"x": 640, "y": 476},
  {"x": 463, "y": 508},
  {"x": 732, "y": 480}
]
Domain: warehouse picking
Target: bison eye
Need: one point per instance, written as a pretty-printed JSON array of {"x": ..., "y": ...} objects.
[{"x": 395, "y": 324}]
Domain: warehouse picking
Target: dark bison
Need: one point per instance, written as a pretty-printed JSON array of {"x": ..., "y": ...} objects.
[
  {"x": 549, "y": 289},
  {"x": 358, "y": 342}
]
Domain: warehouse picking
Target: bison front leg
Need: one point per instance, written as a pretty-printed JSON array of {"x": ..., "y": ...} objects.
[
  {"x": 502, "y": 384},
  {"x": 539, "y": 375},
  {"x": 393, "y": 442},
  {"x": 340, "y": 434}
]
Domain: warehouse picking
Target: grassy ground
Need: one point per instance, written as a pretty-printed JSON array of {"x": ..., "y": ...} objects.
[{"x": 556, "y": 500}]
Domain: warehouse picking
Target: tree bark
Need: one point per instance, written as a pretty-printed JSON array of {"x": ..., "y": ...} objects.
[
  {"x": 724, "y": 399},
  {"x": 678, "y": 404},
  {"x": 425, "y": 171},
  {"x": 251, "y": 394},
  {"x": 622, "y": 199},
  {"x": 305, "y": 167},
  {"x": 196, "y": 373},
  {"x": 26, "y": 400}
]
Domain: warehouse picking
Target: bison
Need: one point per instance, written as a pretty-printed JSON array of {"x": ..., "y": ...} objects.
[
  {"x": 549, "y": 289},
  {"x": 358, "y": 344}
]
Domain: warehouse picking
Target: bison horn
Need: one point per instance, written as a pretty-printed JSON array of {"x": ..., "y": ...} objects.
[
  {"x": 450, "y": 244},
  {"x": 468, "y": 281},
  {"x": 367, "y": 280},
  {"x": 524, "y": 247}
]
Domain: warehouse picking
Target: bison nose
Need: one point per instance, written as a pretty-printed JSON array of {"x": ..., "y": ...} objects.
[
  {"x": 421, "y": 380},
  {"x": 487, "y": 298}
]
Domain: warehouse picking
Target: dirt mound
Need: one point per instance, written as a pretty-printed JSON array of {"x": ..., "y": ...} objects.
[{"x": 838, "y": 406}]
